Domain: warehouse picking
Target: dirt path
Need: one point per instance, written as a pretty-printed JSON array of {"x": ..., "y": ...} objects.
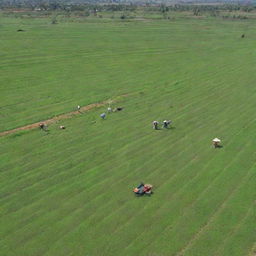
[{"x": 62, "y": 116}]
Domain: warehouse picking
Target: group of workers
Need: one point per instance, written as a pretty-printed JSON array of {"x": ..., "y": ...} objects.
[
  {"x": 44, "y": 127},
  {"x": 143, "y": 189},
  {"x": 103, "y": 115},
  {"x": 166, "y": 124}
]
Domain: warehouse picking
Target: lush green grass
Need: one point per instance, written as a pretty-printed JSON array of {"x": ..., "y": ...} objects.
[{"x": 69, "y": 192}]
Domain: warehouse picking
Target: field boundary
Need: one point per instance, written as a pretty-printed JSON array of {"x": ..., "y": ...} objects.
[{"x": 64, "y": 116}]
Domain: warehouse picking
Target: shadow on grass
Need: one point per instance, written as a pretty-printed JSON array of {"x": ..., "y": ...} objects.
[
  {"x": 168, "y": 128},
  {"x": 145, "y": 194}
]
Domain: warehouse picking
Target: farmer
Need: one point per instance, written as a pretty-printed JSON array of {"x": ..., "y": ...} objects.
[
  {"x": 216, "y": 142},
  {"x": 166, "y": 123},
  {"x": 139, "y": 190},
  {"x": 43, "y": 126},
  {"x": 109, "y": 109},
  {"x": 103, "y": 115},
  {"x": 155, "y": 125},
  {"x": 147, "y": 189},
  {"x": 78, "y": 108},
  {"x": 117, "y": 109}
]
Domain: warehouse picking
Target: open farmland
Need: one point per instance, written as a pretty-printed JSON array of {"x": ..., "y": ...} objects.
[{"x": 69, "y": 192}]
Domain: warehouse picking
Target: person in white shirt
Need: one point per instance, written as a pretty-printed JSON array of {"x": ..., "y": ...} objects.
[
  {"x": 155, "y": 125},
  {"x": 103, "y": 115},
  {"x": 166, "y": 123}
]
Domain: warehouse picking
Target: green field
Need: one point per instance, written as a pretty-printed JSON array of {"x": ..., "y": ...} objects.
[{"x": 69, "y": 192}]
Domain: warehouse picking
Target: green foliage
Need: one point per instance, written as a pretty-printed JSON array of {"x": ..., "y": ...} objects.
[
  {"x": 123, "y": 16},
  {"x": 54, "y": 19}
]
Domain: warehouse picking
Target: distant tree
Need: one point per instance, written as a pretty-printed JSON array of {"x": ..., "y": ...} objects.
[
  {"x": 86, "y": 13},
  {"x": 123, "y": 16},
  {"x": 54, "y": 19},
  {"x": 164, "y": 8},
  {"x": 247, "y": 8},
  {"x": 196, "y": 11}
]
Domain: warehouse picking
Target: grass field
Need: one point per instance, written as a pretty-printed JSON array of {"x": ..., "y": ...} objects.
[{"x": 69, "y": 192}]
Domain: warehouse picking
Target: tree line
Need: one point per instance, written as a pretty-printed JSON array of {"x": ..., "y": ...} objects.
[{"x": 88, "y": 8}]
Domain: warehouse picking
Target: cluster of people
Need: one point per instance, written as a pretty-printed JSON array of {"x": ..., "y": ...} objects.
[
  {"x": 109, "y": 110},
  {"x": 216, "y": 143},
  {"x": 43, "y": 126},
  {"x": 165, "y": 124},
  {"x": 143, "y": 189}
]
